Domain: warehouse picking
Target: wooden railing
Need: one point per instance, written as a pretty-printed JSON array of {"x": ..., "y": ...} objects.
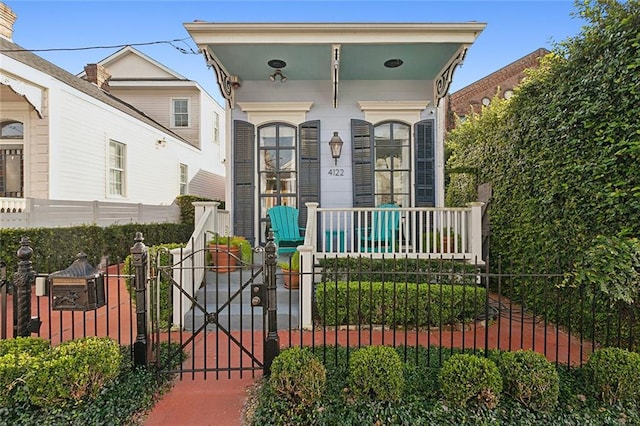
[{"x": 449, "y": 233}]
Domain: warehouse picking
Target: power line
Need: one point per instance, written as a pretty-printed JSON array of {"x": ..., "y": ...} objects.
[{"x": 188, "y": 51}]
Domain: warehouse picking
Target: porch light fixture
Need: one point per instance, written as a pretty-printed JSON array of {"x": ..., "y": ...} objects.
[
  {"x": 336, "y": 146},
  {"x": 278, "y": 76}
]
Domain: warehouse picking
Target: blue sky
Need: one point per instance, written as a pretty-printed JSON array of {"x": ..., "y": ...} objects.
[{"x": 514, "y": 28}]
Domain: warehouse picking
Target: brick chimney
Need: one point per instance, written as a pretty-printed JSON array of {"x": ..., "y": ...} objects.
[
  {"x": 98, "y": 75},
  {"x": 7, "y": 19}
]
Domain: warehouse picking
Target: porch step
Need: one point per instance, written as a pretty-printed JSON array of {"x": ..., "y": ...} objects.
[{"x": 239, "y": 314}]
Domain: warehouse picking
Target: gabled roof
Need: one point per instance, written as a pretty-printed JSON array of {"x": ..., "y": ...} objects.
[
  {"x": 19, "y": 54},
  {"x": 135, "y": 57}
]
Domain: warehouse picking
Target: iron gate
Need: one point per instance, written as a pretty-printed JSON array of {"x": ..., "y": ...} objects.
[{"x": 221, "y": 324}]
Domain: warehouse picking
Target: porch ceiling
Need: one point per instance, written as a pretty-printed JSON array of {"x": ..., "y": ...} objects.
[{"x": 314, "y": 51}]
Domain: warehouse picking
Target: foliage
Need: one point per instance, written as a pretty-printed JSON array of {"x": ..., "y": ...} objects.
[
  {"x": 32, "y": 346},
  {"x": 376, "y": 372},
  {"x": 246, "y": 251},
  {"x": 114, "y": 241},
  {"x": 398, "y": 269},
  {"x": 530, "y": 378},
  {"x": 187, "y": 210},
  {"x": 71, "y": 373},
  {"x": 397, "y": 304},
  {"x": 292, "y": 264},
  {"x": 122, "y": 401},
  {"x": 466, "y": 376},
  {"x": 611, "y": 265},
  {"x": 614, "y": 374},
  {"x": 298, "y": 376},
  {"x": 421, "y": 403}
]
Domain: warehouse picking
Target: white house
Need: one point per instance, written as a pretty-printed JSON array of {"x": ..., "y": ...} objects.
[
  {"x": 291, "y": 87},
  {"x": 67, "y": 139}
]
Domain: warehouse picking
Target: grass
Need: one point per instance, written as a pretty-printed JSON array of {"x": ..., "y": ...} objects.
[{"x": 422, "y": 402}]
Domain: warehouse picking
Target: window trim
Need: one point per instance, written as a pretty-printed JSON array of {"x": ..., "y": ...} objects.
[
  {"x": 173, "y": 113},
  {"x": 183, "y": 183},
  {"x": 122, "y": 170}
]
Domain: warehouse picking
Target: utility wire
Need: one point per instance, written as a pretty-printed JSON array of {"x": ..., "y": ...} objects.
[{"x": 187, "y": 51}]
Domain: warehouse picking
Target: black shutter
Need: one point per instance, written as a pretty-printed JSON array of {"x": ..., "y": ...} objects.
[
  {"x": 308, "y": 167},
  {"x": 244, "y": 179},
  {"x": 425, "y": 164},
  {"x": 362, "y": 155}
]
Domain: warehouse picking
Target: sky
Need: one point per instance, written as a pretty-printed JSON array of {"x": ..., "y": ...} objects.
[{"x": 514, "y": 28}]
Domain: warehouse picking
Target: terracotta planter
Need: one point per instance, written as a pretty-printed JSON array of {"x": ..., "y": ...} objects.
[
  {"x": 291, "y": 279},
  {"x": 224, "y": 258}
]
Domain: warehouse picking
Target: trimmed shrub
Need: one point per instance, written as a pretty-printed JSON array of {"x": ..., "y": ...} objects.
[
  {"x": 298, "y": 376},
  {"x": 530, "y": 378},
  {"x": 396, "y": 304},
  {"x": 32, "y": 346},
  {"x": 466, "y": 376},
  {"x": 376, "y": 372},
  {"x": 615, "y": 374},
  {"x": 73, "y": 371}
]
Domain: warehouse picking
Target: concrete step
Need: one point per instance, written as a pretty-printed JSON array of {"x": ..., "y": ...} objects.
[{"x": 241, "y": 317}]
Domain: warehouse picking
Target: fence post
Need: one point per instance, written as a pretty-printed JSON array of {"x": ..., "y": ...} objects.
[
  {"x": 305, "y": 301},
  {"x": 271, "y": 344},
  {"x": 139, "y": 255},
  {"x": 22, "y": 282}
]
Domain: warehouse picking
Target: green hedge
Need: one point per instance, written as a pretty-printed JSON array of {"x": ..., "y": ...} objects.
[
  {"x": 398, "y": 270},
  {"x": 55, "y": 249},
  {"x": 187, "y": 211},
  {"x": 394, "y": 304}
]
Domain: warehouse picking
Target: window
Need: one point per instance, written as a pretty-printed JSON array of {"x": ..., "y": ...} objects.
[
  {"x": 392, "y": 170},
  {"x": 216, "y": 127},
  {"x": 117, "y": 163},
  {"x": 184, "y": 179},
  {"x": 11, "y": 159},
  {"x": 180, "y": 109},
  {"x": 384, "y": 165}
]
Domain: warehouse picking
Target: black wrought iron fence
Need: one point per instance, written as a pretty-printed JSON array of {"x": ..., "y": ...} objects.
[{"x": 453, "y": 306}]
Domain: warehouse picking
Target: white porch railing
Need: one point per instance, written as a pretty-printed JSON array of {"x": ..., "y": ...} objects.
[
  {"x": 208, "y": 220},
  {"x": 12, "y": 205},
  {"x": 449, "y": 233}
]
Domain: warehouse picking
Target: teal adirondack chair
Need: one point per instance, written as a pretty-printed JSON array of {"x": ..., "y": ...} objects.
[
  {"x": 379, "y": 236},
  {"x": 286, "y": 231}
]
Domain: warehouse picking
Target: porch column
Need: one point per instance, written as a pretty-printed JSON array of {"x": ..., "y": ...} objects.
[
  {"x": 305, "y": 294},
  {"x": 475, "y": 231}
]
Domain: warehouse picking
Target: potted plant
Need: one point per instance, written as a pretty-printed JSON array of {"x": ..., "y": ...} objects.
[
  {"x": 291, "y": 271},
  {"x": 227, "y": 251}
]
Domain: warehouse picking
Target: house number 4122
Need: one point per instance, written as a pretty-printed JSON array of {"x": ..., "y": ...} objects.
[{"x": 336, "y": 172}]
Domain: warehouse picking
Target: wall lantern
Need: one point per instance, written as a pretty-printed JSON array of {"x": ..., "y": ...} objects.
[
  {"x": 80, "y": 287},
  {"x": 336, "y": 146}
]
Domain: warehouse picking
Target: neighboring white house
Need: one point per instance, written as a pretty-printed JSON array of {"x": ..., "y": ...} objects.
[
  {"x": 290, "y": 88},
  {"x": 65, "y": 138}
]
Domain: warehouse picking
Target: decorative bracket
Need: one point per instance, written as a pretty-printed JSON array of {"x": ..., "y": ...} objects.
[
  {"x": 225, "y": 80},
  {"x": 443, "y": 81},
  {"x": 335, "y": 72}
]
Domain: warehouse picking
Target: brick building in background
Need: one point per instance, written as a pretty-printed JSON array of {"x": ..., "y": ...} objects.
[{"x": 482, "y": 91}]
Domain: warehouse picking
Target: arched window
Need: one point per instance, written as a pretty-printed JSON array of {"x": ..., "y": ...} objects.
[
  {"x": 392, "y": 163},
  {"x": 11, "y": 159}
]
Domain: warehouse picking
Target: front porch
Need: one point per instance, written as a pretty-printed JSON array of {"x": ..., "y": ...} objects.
[{"x": 422, "y": 233}]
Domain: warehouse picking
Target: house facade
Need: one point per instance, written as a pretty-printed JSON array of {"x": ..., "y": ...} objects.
[
  {"x": 67, "y": 138},
  {"x": 296, "y": 93}
]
